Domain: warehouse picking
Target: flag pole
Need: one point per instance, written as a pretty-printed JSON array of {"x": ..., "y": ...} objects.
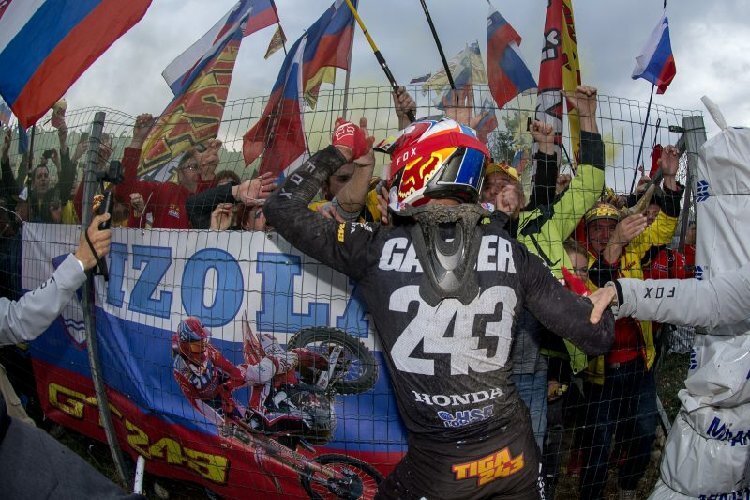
[
  {"x": 348, "y": 77},
  {"x": 278, "y": 23},
  {"x": 439, "y": 45},
  {"x": 643, "y": 137},
  {"x": 378, "y": 55},
  {"x": 283, "y": 38}
]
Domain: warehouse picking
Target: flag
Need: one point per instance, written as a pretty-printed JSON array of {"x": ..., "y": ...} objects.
[
  {"x": 245, "y": 18},
  {"x": 192, "y": 117},
  {"x": 656, "y": 62},
  {"x": 549, "y": 106},
  {"x": 549, "y": 100},
  {"x": 200, "y": 78},
  {"x": 507, "y": 74},
  {"x": 277, "y": 41},
  {"x": 4, "y": 113},
  {"x": 280, "y": 130},
  {"x": 467, "y": 69},
  {"x": 329, "y": 42},
  {"x": 421, "y": 79},
  {"x": 571, "y": 73},
  {"x": 279, "y": 133},
  {"x": 45, "y": 45},
  {"x": 559, "y": 70},
  {"x": 488, "y": 120}
]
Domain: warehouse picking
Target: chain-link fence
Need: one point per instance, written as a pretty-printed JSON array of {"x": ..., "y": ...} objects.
[{"x": 329, "y": 413}]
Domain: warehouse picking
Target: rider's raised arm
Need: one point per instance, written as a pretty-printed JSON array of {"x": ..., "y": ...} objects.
[
  {"x": 340, "y": 246},
  {"x": 561, "y": 311}
]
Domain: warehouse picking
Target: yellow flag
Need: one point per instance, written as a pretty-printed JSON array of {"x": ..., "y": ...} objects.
[
  {"x": 192, "y": 117},
  {"x": 571, "y": 73},
  {"x": 277, "y": 41}
]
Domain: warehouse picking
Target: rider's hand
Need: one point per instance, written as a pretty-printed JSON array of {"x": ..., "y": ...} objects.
[{"x": 351, "y": 140}]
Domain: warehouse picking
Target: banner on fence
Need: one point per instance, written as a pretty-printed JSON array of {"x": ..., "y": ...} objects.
[{"x": 191, "y": 413}]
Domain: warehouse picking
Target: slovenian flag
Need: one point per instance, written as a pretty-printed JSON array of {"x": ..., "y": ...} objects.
[
  {"x": 507, "y": 73},
  {"x": 45, "y": 45},
  {"x": 280, "y": 130},
  {"x": 656, "y": 62},
  {"x": 279, "y": 133},
  {"x": 329, "y": 42},
  {"x": 245, "y": 18}
]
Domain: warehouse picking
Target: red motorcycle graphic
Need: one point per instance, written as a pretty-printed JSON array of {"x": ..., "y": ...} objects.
[{"x": 292, "y": 394}]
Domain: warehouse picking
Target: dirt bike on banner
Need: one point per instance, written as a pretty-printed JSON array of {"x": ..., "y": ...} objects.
[{"x": 290, "y": 403}]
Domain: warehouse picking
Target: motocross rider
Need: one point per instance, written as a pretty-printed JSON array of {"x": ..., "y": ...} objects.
[
  {"x": 444, "y": 285},
  {"x": 208, "y": 379}
]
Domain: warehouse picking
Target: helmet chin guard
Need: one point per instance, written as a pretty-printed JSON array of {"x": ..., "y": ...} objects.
[{"x": 447, "y": 241}]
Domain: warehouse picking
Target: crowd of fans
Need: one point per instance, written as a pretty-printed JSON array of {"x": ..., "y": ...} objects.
[{"x": 585, "y": 233}]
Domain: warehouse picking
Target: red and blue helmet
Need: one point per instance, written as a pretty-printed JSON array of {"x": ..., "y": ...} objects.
[
  {"x": 191, "y": 340},
  {"x": 435, "y": 159}
]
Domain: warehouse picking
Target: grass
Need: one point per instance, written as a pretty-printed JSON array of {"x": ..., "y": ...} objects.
[{"x": 670, "y": 376}]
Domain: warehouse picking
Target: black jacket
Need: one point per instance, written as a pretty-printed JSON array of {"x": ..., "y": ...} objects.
[{"x": 451, "y": 358}]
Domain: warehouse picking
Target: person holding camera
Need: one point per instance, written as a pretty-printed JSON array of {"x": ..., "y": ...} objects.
[
  {"x": 40, "y": 200},
  {"x": 32, "y": 463}
]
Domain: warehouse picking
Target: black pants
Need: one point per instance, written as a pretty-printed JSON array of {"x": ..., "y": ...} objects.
[{"x": 504, "y": 465}]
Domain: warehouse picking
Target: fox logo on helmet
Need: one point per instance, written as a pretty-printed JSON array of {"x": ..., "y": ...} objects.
[
  {"x": 436, "y": 159},
  {"x": 417, "y": 174}
]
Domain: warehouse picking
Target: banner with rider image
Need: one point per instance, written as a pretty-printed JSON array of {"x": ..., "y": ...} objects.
[{"x": 206, "y": 410}]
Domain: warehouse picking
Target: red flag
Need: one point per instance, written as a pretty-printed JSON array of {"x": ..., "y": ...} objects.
[{"x": 549, "y": 102}]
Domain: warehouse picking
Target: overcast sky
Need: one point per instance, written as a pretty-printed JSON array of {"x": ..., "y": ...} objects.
[{"x": 710, "y": 41}]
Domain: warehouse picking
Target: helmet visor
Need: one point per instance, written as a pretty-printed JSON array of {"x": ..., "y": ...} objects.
[{"x": 460, "y": 177}]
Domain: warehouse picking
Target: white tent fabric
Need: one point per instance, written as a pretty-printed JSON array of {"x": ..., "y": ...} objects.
[{"x": 706, "y": 454}]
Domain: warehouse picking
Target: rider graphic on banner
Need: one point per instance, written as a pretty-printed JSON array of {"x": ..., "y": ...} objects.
[{"x": 208, "y": 379}]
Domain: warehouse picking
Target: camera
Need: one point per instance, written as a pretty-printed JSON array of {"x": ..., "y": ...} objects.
[
  {"x": 47, "y": 154},
  {"x": 113, "y": 173},
  {"x": 105, "y": 207}
]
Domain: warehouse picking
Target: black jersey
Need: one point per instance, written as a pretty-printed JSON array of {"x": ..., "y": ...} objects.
[{"x": 449, "y": 363}]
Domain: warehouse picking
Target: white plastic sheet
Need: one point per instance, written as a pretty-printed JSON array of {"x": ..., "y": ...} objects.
[{"x": 706, "y": 453}]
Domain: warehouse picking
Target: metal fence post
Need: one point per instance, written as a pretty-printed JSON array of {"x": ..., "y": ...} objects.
[
  {"x": 89, "y": 301},
  {"x": 693, "y": 137}
]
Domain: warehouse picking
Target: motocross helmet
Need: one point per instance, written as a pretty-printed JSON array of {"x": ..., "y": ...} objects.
[
  {"x": 435, "y": 159},
  {"x": 191, "y": 340}
]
